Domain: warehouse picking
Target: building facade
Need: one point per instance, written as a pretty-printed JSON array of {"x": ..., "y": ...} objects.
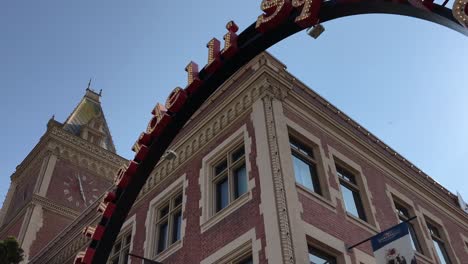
[{"x": 267, "y": 171}]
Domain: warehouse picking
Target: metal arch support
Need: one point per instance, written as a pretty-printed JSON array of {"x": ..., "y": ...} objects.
[{"x": 250, "y": 44}]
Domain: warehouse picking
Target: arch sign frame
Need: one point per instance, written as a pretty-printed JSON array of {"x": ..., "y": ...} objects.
[{"x": 281, "y": 19}]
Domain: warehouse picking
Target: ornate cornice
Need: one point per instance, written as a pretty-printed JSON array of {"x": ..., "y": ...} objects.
[
  {"x": 84, "y": 154},
  {"x": 56, "y": 208},
  {"x": 215, "y": 122},
  {"x": 66, "y": 244},
  {"x": 99, "y": 153}
]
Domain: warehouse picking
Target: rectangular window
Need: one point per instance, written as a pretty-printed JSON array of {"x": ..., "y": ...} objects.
[
  {"x": 350, "y": 192},
  {"x": 168, "y": 224},
  {"x": 305, "y": 166},
  {"x": 121, "y": 249},
  {"x": 229, "y": 178},
  {"x": 403, "y": 215},
  {"x": 439, "y": 244},
  {"x": 317, "y": 256}
]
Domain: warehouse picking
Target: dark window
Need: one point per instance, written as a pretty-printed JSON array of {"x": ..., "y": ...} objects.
[
  {"x": 350, "y": 191},
  {"x": 305, "y": 166},
  {"x": 121, "y": 249},
  {"x": 169, "y": 222},
  {"x": 317, "y": 256},
  {"x": 247, "y": 260},
  {"x": 439, "y": 244},
  {"x": 222, "y": 194},
  {"x": 403, "y": 215},
  {"x": 230, "y": 178}
]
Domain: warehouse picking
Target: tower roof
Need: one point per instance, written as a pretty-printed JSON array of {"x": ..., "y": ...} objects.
[{"x": 87, "y": 121}]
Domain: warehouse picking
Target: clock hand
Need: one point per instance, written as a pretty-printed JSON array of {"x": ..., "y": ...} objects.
[{"x": 81, "y": 189}]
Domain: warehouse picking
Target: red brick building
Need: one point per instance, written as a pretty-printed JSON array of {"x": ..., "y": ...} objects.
[{"x": 267, "y": 171}]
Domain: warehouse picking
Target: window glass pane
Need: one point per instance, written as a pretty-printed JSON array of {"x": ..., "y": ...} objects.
[
  {"x": 402, "y": 211},
  {"x": 177, "y": 222},
  {"x": 246, "y": 261},
  {"x": 115, "y": 260},
  {"x": 349, "y": 200},
  {"x": 178, "y": 200},
  {"x": 319, "y": 257},
  {"x": 162, "y": 239},
  {"x": 434, "y": 231},
  {"x": 163, "y": 211},
  {"x": 125, "y": 256},
  {"x": 345, "y": 175},
  {"x": 414, "y": 238},
  {"x": 238, "y": 154},
  {"x": 222, "y": 194},
  {"x": 117, "y": 246},
  {"x": 441, "y": 252},
  {"x": 301, "y": 148},
  {"x": 221, "y": 167},
  {"x": 302, "y": 172},
  {"x": 240, "y": 181}
]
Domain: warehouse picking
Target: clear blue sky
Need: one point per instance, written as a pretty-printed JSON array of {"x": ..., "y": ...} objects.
[{"x": 402, "y": 78}]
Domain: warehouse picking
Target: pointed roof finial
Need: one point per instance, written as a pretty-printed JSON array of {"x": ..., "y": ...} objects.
[
  {"x": 100, "y": 92},
  {"x": 89, "y": 84}
]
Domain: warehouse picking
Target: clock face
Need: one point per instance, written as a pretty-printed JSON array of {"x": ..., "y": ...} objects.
[{"x": 80, "y": 190}]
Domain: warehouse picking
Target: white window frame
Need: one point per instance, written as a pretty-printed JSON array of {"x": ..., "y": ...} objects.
[
  {"x": 176, "y": 187},
  {"x": 236, "y": 250},
  {"x": 209, "y": 217}
]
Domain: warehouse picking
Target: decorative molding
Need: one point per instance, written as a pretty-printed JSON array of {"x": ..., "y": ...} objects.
[
  {"x": 56, "y": 208},
  {"x": 86, "y": 155},
  {"x": 87, "y": 147},
  {"x": 278, "y": 181},
  {"x": 214, "y": 123},
  {"x": 66, "y": 244}
]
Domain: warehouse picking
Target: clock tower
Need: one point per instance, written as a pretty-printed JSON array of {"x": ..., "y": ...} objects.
[{"x": 70, "y": 168}]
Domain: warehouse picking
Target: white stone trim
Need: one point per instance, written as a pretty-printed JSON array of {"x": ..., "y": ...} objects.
[
  {"x": 207, "y": 217},
  {"x": 362, "y": 257},
  {"x": 243, "y": 244},
  {"x": 267, "y": 196},
  {"x": 35, "y": 223},
  {"x": 180, "y": 184},
  {"x": 44, "y": 184}
]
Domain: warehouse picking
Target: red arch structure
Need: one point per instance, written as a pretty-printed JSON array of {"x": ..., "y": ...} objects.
[{"x": 281, "y": 19}]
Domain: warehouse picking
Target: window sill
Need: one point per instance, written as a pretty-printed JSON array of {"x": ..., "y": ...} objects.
[
  {"x": 226, "y": 211},
  {"x": 421, "y": 258},
  {"x": 316, "y": 197},
  {"x": 363, "y": 224},
  {"x": 168, "y": 251}
]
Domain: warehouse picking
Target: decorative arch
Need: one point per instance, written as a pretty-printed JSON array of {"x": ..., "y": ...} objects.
[{"x": 282, "y": 18}]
